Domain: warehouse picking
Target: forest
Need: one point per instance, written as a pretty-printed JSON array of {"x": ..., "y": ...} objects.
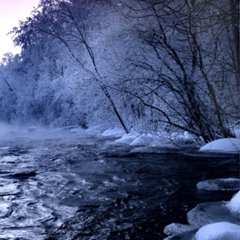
[{"x": 149, "y": 65}]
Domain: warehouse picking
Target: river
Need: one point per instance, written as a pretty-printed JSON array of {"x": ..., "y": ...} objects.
[{"x": 65, "y": 186}]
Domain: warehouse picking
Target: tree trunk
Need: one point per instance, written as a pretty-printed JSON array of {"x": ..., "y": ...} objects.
[{"x": 108, "y": 96}]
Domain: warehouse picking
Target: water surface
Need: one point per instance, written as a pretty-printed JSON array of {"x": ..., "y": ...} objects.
[{"x": 81, "y": 187}]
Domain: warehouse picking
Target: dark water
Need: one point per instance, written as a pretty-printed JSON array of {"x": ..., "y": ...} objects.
[{"x": 69, "y": 188}]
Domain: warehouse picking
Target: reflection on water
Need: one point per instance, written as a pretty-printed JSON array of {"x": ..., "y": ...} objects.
[{"x": 72, "y": 187}]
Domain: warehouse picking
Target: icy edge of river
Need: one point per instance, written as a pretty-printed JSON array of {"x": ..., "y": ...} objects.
[
  {"x": 209, "y": 221},
  {"x": 141, "y": 142}
]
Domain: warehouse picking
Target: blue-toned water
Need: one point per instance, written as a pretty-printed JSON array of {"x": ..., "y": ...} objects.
[{"x": 69, "y": 187}]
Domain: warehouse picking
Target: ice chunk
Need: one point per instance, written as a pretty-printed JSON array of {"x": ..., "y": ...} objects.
[
  {"x": 234, "y": 204},
  {"x": 219, "y": 231},
  {"x": 115, "y": 132},
  {"x": 178, "y": 229},
  {"x": 128, "y": 138},
  {"x": 223, "y": 145},
  {"x": 224, "y": 184},
  {"x": 143, "y": 139},
  {"x": 207, "y": 213}
]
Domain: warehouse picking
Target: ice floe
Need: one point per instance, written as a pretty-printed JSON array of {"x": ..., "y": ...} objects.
[
  {"x": 177, "y": 229},
  {"x": 206, "y": 213},
  {"x": 222, "y": 184}
]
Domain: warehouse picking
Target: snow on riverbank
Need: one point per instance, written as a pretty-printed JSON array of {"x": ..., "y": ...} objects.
[
  {"x": 231, "y": 145},
  {"x": 158, "y": 139},
  {"x": 134, "y": 138},
  {"x": 209, "y": 221},
  {"x": 164, "y": 139}
]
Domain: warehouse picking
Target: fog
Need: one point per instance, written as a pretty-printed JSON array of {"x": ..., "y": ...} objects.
[{"x": 16, "y": 131}]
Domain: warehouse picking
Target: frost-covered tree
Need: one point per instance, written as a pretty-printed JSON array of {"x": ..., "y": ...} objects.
[{"x": 70, "y": 23}]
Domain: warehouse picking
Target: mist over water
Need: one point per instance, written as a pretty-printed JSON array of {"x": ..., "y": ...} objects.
[{"x": 37, "y": 132}]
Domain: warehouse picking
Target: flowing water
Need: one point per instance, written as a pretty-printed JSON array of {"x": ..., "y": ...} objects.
[{"x": 71, "y": 187}]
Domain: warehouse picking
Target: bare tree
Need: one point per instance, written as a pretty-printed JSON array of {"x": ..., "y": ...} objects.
[{"x": 180, "y": 38}]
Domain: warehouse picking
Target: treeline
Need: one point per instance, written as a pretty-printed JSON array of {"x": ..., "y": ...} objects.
[{"x": 149, "y": 64}]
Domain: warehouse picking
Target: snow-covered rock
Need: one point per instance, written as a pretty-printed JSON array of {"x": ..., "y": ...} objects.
[
  {"x": 234, "y": 204},
  {"x": 221, "y": 184},
  {"x": 211, "y": 212},
  {"x": 128, "y": 138},
  {"x": 143, "y": 139},
  {"x": 215, "y": 221},
  {"x": 219, "y": 231},
  {"x": 177, "y": 229},
  {"x": 231, "y": 145},
  {"x": 115, "y": 132}
]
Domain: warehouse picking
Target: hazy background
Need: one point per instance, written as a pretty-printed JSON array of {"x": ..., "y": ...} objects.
[{"x": 11, "y": 11}]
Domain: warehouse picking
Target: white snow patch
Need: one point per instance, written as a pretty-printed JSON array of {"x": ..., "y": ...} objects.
[
  {"x": 143, "y": 139},
  {"x": 219, "y": 231},
  {"x": 115, "y": 132},
  {"x": 156, "y": 139},
  {"x": 234, "y": 204},
  {"x": 128, "y": 138},
  {"x": 223, "y": 145}
]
